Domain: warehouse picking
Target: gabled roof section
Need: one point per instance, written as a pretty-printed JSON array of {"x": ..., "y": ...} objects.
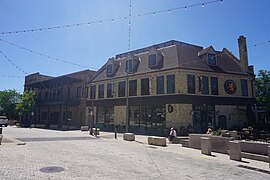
[{"x": 209, "y": 49}]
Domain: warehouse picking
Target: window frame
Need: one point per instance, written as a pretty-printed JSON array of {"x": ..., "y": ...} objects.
[
  {"x": 170, "y": 85},
  {"x": 122, "y": 90},
  {"x": 101, "y": 88},
  {"x": 160, "y": 87}
]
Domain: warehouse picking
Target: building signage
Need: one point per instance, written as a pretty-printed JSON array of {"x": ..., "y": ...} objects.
[
  {"x": 230, "y": 86},
  {"x": 170, "y": 108}
]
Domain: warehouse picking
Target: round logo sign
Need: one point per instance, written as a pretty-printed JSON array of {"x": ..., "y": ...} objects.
[{"x": 230, "y": 86}]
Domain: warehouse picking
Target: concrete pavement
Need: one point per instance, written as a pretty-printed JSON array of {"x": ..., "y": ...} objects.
[{"x": 50, "y": 154}]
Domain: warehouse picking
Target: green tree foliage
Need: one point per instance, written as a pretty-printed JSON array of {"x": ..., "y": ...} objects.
[
  {"x": 262, "y": 84},
  {"x": 27, "y": 102},
  {"x": 8, "y": 101}
]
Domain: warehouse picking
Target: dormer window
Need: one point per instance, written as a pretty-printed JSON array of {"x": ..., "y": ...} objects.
[
  {"x": 212, "y": 59},
  {"x": 152, "y": 61},
  {"x": 112, "y": 67},
  {"x": 129, "y": 65},
  {"x": 109, "y": 69},
  {"x": 155, "y": 61}
]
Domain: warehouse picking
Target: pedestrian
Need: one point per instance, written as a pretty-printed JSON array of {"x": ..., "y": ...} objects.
[{"x": 172, "y": 134}]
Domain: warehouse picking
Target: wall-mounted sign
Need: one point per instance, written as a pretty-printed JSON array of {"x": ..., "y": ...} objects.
[
  {"x": 170, "y": 108},
  {"x": 230, "y": 86}
]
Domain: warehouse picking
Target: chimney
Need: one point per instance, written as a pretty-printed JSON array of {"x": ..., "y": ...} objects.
[{"x": 242, "y": 44}]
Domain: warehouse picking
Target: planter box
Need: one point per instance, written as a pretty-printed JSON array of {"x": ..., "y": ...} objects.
[
  {"x": 157, "y": 141},
  {"x": 254, "y": 147},
  {"x": 218, "y": 143}
]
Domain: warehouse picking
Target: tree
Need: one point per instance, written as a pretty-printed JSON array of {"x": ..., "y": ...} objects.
[
  {"x": 27, "y": 103},
  {"x": 8, "y": 101},
  {"x": 262, "y": 84}
]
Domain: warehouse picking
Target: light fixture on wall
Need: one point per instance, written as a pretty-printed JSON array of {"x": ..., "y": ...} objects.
[{"x": 218, "y": 113}]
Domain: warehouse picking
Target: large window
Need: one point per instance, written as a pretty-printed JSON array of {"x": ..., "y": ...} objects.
[
  {"x": 122, "y": 89},
  {"x": 105, "y": 115},
  {"x": 203, "y": 84},
  {"x": 93, "y": 92},
  {"x": 101, "y": 91},
  {"x": 244, "y": 87},
  {"x": 212, "y": 59},
  {"x": 79, "y": 92},
  {"x": 160, "y": 85},
  {"x": 109, "y": 90},
  {"x": 191, "y": 83},
  {"x": 170, "y": 84},
  {"x": 132, "y": 88},
  {"x": 148, "y": 116},
  {"x": 214, "y": 85},
  {"x": 145, "y": 86}
]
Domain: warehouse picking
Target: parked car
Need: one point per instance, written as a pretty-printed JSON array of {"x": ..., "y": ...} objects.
[{"x": 3, "y": 121}]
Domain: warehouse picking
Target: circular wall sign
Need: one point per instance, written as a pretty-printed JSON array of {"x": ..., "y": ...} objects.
[
  {"x": 170, "y": 108},
  {"x": 230, "y": 86}
]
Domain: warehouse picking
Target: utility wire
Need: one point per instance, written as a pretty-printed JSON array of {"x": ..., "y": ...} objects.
[
  {"x": 44, "y": 55},
  {"x": 17, "y": 67},
  {"x": 203, "y": 4}
]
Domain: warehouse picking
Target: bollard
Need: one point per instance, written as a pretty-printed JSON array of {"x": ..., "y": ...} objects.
[
  {"x": 235, "y": 151},
  {"x": 205, "y": 146},
  {"x": 115, "y": 133},
  {"x": 1, "y": 129},
  {"x": 96, "y": 131}
]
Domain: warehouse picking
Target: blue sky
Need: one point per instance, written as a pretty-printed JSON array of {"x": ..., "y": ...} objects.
[{"x": 216, "y": 24}]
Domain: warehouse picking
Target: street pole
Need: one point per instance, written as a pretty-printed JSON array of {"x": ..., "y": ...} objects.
[{"x": 127, "y": 110}]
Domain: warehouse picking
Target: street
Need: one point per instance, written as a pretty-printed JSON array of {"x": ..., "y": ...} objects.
[{"x": 50, "y": 154}]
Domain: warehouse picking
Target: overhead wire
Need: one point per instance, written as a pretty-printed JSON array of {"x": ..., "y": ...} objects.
[
  {"x": 110, "y": 19},
  {"x": 44, "y": 55}
]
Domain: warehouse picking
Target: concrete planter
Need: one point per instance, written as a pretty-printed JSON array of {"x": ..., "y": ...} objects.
[
  {"x": 157, "y": 141},
  {"x": 84, "y": 128},
  {"x": 254, "y": 147},
  {"x": 129, "y": 137},
  {"x": 218, "y": 143}
]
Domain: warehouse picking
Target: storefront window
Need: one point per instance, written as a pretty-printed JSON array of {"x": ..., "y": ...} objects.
[
  {"x": 105, "y": 115},
  {"x": 148, "y": 116}
]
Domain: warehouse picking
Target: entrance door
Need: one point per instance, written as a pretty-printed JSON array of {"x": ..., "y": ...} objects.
[
  {"x": 203, "y": 118},
  {"x": 204, "y": 124}
]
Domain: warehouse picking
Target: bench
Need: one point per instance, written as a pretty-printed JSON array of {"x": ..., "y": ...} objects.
[
  {"x": 129, "y": 137},
  {"x": 84, "y": 128},
  {"x": 157, "y": 141}
]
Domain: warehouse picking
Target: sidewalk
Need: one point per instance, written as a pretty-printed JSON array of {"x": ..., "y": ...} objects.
[{"x": 82, "y": 156}]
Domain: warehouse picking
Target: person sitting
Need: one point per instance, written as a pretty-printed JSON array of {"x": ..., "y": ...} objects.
[
  {"x": 209, "y": 131},
  {"x": 172, "y": 134}
]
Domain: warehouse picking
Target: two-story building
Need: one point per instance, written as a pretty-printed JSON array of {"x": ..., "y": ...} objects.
[
  {"x": 61, "y": 101},
  {"x": 174, "y": 84}
]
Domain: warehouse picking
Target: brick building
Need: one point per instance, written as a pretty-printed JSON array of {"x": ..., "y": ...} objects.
[
  {"x": 60, "y": 100},
  {"x": 174, "y": 84}
]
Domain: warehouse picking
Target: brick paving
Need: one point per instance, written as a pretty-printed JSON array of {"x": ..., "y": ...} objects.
[{"x": 86, "y": 157}]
